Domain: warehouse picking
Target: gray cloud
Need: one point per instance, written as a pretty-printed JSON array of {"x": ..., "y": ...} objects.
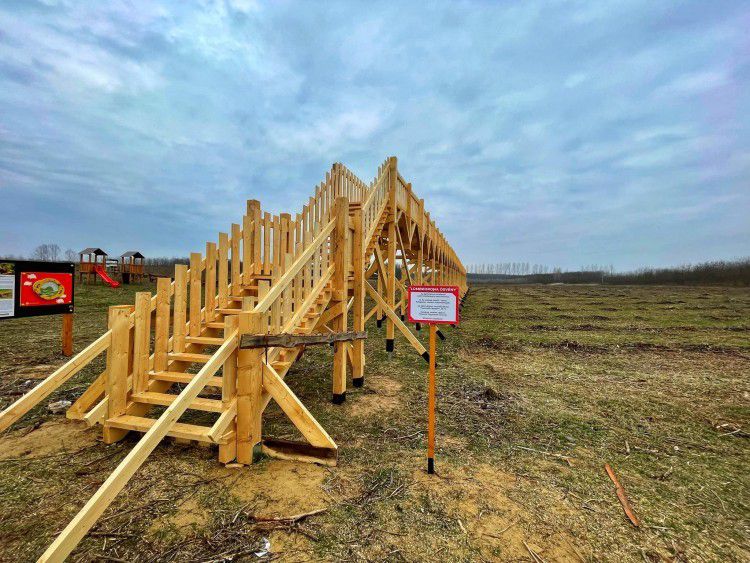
[{"x": 556, "y": 132}]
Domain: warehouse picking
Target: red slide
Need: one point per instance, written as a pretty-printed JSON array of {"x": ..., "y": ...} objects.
[{"x": 102, "y": 273}]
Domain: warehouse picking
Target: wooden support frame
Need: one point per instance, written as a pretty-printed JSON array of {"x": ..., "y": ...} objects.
[{"x": 291, "y": 277}]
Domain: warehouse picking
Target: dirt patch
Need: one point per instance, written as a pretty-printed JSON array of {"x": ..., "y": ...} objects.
[
  {"x": 50, "y": 438},
  {"x": 276, "y": 488},
  {"x": 380, "y": 394},
  {"x": 483, "y": 506}
]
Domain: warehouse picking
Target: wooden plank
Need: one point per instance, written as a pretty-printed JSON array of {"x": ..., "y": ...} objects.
[
  {"x": 228, "y": 451},
  {"x": 182, "y": 377},
  {"x": 236, "y": 259},
  {"x": 340, "y": 284},
  {"x": 224, "y": 422},
  {"x": 165, "y": 399},
  {"x": 179, "y": 430},
  {"x": 161, "y": 331},
  {"x": 295, "y": 410},
  {"x": 222, "y": 278},
  {"x": 93, "y": 394},
  {"x": 210, "y": 288},
  {"x": 180, "y": 307},
  {"x": 247, "y": 249},
  {"x": 67, "y": 334},
  {"x": 358, "y": 299},
  {"x": 267, "y": 243},
  {"x": 286, "y": 340},
  {"x": 142, "y": 341},
  {"x": 98, "y": 503},
  {"x": 189, "y": 357},
  {"x": 16, "y": 410},
  {"x": 294, "y": 451},
  {"x": 118, "y": 357},
  {"x": 249, "y": 388},
  {"x": 256, "y": 237},
  {"x": 195, "y": 294}
]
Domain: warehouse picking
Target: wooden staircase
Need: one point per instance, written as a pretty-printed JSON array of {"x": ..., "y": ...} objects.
[{"x": 177, "y": 353}]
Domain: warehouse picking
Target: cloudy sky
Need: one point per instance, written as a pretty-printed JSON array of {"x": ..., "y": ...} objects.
[{"x": 561, "y": 133}]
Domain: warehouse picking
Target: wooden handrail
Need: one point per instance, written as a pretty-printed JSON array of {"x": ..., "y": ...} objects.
[
  {"x": 62, "y": 374},
  {"x": 277, "y": 288}
]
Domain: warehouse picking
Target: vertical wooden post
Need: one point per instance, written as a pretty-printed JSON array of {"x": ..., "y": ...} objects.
[
  {"x": 222, "y": 279},
  {"x": 67, "y": 334},
  {"x": 210, "y": 291},
  {"x": 358, "y": 305},
  {"x": 420, "y": 267},
  {"x": 381, "y": 290},
  {"x": 161, "y": 334},
  {"x": 340, "y": 295},
  {"x": 228, "y": 452},
  {"x": 236, "y": 259},
  {"x": 431, "y": 403},
  {"x": 180, "y": 303},
  {"x": 195, "y": 294},
  {"x": 249, "y": 389},
  {"x": 141, "y": 341},
  {"x": 391, "y": 265},
  {"x": 118, "y": 355},
  {"x": 247, "y": 246}
]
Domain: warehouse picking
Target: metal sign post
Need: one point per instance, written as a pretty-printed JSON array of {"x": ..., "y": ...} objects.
[{"x": 433, "y": 305}]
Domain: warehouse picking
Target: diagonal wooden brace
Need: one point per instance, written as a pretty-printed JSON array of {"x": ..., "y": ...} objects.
[
  {"x": 295, "y": 410},
  {"x": 397, "y": 322}
]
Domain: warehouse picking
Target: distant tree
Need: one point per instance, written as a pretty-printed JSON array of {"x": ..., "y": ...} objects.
[
  {"x": 71, "y": 255},
  {"x": 46, "y": 252}
]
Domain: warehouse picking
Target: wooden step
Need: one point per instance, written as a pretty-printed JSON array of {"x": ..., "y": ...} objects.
[
  {"x": 182, "y": 377},
  {"x": 229, "y": 311},
  {"x": 214, "y": 324},
  {"x": 165, "y": 399},
  {"x": 189, "y": 357},
  {"x": 178, "y": 430},
  {"x": 207, "y": 340}
]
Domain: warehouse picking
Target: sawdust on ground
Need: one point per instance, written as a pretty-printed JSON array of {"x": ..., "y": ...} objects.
[{"x": 57, "y": 436}]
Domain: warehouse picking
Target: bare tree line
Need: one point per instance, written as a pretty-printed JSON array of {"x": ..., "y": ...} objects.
[
  {"x": 526, "y": 268},
  {"x": 717, "y": 272}
]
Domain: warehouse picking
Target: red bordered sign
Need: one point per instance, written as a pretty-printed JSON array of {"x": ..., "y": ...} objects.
[{"x": 433, "y": 304}]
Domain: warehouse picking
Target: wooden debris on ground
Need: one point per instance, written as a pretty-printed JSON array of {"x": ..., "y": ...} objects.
[{"x": 621, "y": 496}]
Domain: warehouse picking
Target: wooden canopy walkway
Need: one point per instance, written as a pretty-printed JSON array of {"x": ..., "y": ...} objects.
[{"x": 286, "y": 275}]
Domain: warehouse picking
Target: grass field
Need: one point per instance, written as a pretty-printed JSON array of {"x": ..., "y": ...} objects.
[{"x": 538, "y": 389}]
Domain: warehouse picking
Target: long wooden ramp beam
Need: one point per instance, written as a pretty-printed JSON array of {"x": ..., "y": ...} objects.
[{"x": 97, "y": 504}]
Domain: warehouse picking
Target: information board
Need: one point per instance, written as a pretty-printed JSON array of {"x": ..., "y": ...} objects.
[
  {"x": 433, "y": 304},
  {"x": 30, "y": 288}
]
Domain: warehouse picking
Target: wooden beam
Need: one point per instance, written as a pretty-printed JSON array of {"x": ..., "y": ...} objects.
[
  {"x": 287, "y": 340},
  {"x": 295, "y": 410},
  {"x": 62, "y": 374},
  {"x": 397, "y": 321}
]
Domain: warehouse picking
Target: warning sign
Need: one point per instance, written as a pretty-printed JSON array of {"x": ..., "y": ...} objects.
[{"x": 433, "y": 304}]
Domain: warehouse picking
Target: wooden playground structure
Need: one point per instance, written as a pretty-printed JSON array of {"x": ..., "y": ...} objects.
[
  {"x": 94, "y": 265},
  {"x": 88, "y": 260},
  {"x": 241, "y": 315},
  {"x": 132, "y": 266}
]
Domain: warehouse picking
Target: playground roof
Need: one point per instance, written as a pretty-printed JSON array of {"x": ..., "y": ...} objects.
[
  {"x": 92, "y": 250},
  {"x": 132, "y": 253}
]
